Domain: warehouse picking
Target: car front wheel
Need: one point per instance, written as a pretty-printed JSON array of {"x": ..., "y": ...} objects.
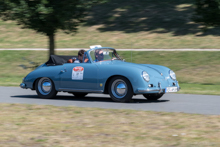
[
  {"x": 153, "y": 97},
  {"x": 45, "y": 88},
  {"x": 120, "y": 89}
]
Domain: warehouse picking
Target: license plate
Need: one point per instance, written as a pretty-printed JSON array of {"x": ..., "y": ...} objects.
[{"x": 171, "y": 89}]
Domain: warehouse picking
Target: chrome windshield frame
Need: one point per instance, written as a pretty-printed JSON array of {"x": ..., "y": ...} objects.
[{"x": 90, "y": 58}]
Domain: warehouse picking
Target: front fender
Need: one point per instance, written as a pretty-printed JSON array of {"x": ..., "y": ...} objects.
[{"x": 134, "y": 75}]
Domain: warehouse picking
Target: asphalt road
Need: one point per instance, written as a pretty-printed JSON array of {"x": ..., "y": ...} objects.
[{"x": 199, "y": 104}]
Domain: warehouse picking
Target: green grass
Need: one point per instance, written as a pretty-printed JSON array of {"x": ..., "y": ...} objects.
[
  {"x": 124, "y": 24},
  {"x": 197, "y": 72},
  {"x": 205, "y": 89},
  {"x": 38, "y": 125}
]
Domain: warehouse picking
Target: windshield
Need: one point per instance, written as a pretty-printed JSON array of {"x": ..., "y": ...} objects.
[{"x": 104, "y": 55}]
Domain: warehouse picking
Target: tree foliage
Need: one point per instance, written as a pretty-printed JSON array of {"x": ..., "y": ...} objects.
[
  {"x": 47, "y": 16},
  {"x": 207, "y": 12}
]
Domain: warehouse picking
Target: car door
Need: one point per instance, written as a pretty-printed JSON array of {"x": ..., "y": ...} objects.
[{"x": 82, "y": 76}]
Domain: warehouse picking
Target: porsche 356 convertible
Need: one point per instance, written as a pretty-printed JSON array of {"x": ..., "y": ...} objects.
[{"x": 106, "y": 73}]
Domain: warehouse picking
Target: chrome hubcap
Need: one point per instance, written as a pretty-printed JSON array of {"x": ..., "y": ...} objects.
[
  {"x": 44, "y": 86},
  {"x": 119, "y": 88}
]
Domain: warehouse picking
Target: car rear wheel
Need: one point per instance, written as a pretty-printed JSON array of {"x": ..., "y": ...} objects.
[
  {"x": 80, "y": 94},
  {"x": 120, "y": 89},
  {"x": 153, "y": 97},
  {"x": 45, "y": 88}
]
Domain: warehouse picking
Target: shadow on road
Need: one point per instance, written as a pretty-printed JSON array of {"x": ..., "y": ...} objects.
[{"x": 87, "y": 99}]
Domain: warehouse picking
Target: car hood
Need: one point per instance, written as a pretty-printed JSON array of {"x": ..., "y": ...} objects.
[{"x": 153, "y": 70}]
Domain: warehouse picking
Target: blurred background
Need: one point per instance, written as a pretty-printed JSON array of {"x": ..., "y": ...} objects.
[{"x": 125, "y": 24}]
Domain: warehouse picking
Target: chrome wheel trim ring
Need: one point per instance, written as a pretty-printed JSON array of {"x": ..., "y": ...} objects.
[
  {"x": 44, "y": 86},
  {"x": 119, "y": 88}
]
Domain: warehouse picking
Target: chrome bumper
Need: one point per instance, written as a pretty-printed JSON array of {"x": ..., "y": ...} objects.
[{"x": 153, "y": 90}]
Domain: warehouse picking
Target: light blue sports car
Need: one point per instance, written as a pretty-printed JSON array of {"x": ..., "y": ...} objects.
[{"x": 102, "y": 72}]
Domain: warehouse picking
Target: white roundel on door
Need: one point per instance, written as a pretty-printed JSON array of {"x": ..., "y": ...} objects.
[{"x": 77, "y": 73}]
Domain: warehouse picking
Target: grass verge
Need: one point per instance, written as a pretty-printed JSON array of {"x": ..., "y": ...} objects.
[
  {"x": 205, "y": 89},
  {"x": 38, "y": 125},
  {"x": 197, "y": 72},
  {"x": 124, "y": 24}
]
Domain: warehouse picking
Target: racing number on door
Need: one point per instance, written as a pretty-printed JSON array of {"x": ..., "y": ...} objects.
[{"x": 77, "y": 73}]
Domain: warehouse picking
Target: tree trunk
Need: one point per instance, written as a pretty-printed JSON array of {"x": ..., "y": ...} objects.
[{"x": 51, "y": 44}]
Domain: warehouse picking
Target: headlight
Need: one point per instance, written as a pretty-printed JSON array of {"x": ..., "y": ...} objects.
[
  {"x": 146, "y": 76},
  {"x": 172, "y": 75}
]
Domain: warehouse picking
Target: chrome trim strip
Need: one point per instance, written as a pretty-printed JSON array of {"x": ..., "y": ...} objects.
[{"x": 80, "y": 90}]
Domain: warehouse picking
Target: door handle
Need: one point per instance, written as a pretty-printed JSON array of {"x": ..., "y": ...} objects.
[{"x": 63, "y": 70}]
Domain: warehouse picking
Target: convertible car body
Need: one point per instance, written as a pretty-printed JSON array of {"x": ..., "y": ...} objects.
[{"x": 103, "y": 72}]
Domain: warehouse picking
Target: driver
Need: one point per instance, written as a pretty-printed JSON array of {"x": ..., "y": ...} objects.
[{"x": 98, "y": 55}]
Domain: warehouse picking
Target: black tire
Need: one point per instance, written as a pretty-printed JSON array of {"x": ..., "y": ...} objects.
[
  {"x": 153, "y": 97},
  {"x": 120, "y": 89},
  {"x": 79, "y": 94},
  {"x": 45, "y": 88}
]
